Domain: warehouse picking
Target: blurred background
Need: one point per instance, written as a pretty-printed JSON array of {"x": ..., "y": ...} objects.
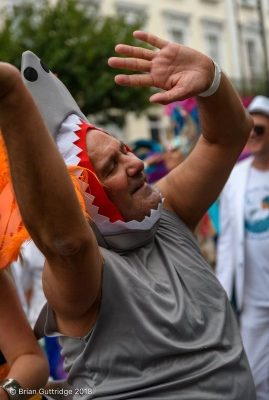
[{"x": 74, "y": 38}]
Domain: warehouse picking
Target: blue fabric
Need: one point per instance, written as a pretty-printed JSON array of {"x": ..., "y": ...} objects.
[{"x": 55, "y": 359}]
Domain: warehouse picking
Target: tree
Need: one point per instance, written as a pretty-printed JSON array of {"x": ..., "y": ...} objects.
[{"x": 74, "y": 41}]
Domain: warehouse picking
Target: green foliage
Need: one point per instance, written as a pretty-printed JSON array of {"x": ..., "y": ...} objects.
[{"x": 75, "y": 42}]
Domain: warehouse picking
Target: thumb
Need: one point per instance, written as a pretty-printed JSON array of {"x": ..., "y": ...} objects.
[{"x": 169, "y": 96}]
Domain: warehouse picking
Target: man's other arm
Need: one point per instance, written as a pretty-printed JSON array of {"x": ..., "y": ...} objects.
[
  {"x": 182, "y": 72},
  {"x": 50, "y": 209},
  {"x": 195, "y": 184}
]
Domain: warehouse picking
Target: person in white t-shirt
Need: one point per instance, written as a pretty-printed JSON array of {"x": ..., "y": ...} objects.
[
  {"x": 243, "y": 246},
  {"x": 27, "y": 273}
]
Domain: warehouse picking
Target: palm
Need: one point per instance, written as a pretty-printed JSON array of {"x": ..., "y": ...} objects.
[
  {"x": 178, "y": 70},
  {"x": 167, "y": 70}
]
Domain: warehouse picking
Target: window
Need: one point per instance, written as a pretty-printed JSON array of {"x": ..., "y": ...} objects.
[
  {"x": 131, "y": 12},
  {"x": 248, "y": 3},
  {"x": 213, "y": 39},
  {"x": 252, "y": 50},
  {"x": 177, "y": 35},
  {"x": 155, "y": 127},
  {"x": 213, "y": 46},
  {"x": 177, "y": 27},
  {"x": 251, "y": 54}
]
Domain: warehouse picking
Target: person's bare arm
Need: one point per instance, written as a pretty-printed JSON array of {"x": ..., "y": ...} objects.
[
  {"x": 196, "y": 183},
  {"x": 49, "y": 208},
  {"x": 28, "y": 364},
  {"x": 182, "y": 73}
]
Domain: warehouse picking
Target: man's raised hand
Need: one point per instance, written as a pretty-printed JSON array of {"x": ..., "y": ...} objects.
[{"x": 179, "y": 70}]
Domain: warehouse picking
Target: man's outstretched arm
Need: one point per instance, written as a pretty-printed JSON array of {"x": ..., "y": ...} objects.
[
  {"x": 49, "y": 208},
  {"x": 182, "y": 72},
  {"x": 28, "y": 364}
]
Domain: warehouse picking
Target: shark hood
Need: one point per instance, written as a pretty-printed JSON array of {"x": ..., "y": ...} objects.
[{"x": 69, "y": 127}]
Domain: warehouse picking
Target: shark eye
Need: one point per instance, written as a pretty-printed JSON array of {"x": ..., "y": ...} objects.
[
  {"x": 30, "y": 74},
  {"x": 44, "y": 66}
]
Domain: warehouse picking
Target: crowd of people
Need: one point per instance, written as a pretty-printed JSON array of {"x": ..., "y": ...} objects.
[{"x": 137, "y": 310}]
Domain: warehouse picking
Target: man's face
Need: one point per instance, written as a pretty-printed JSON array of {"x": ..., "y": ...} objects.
[
  {"x": 122, "y": 175},
  {"x": 258, "y": 142}
]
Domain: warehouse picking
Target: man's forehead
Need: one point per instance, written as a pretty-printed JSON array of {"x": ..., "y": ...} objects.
[
  {"x": 260, "y": 116},
  {"x": 99, "y": 143}
]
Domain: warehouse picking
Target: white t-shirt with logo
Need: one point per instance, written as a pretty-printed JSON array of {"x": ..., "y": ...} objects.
[{"x": 257, "y": 239}]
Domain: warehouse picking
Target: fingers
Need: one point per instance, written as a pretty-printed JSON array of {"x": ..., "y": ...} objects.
[
  {"x": 168, "y": 96},
  {"x": 137, "y": 52},
  {"x": 150, "y": 39},
  {"x": 139, "y": 80},
  {"x": 134, "y": 64}
]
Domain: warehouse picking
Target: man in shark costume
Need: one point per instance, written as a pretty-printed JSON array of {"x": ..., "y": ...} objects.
[{"x": 139, "y": 313}]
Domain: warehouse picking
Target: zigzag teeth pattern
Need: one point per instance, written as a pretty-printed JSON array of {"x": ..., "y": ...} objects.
[
  {"x": 69, "y": 151},
  {"x": 111, "y": 228},
  {"x": 93, "y": 211},
  {"x": 66, "y": 139}
]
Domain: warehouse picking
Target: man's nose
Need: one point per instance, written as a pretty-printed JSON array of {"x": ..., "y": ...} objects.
[{"x": 134, "y": 166}]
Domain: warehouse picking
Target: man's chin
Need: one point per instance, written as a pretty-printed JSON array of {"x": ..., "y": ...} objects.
[
  {"x": 153, "y": 205},
  {"x": 141, "y": 214},
  {"x": 142, "y": 206}
]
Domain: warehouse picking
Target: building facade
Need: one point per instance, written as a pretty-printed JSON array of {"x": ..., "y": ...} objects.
[{"x": 235, "y": 33}]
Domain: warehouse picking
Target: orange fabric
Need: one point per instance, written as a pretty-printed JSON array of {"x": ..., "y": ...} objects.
[
  {"x": 78, "y": 176},
  {"x": 12, "y": 231},
  {"x": 4, "y": 370}
]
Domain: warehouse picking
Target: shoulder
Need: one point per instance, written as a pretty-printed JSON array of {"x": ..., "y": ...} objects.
[{"x": 173, "y": 230}]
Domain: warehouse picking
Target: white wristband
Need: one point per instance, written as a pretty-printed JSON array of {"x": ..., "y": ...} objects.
[{"x": 215, "y": 84}]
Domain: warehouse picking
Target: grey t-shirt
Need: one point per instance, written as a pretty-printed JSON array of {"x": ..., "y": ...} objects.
[{"x": 165, "y": 328}]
